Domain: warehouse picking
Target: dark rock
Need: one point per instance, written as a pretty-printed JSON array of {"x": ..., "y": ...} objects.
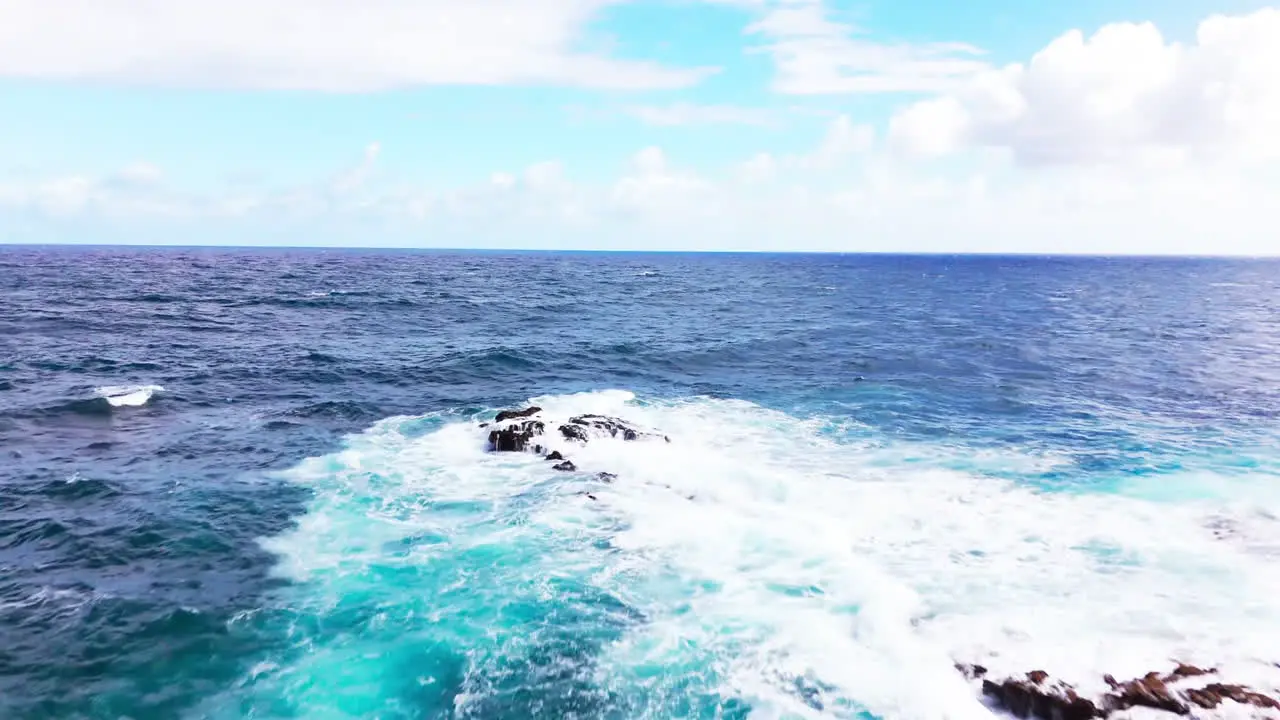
[
  {"x": 613, "y": 426},
  {"x": 1037, "y": 697},
  {"x": 1148, "y": 691},
  {"x": 517, "y": 414},
  {"x": 1210, "y": 696},
  {"x": 515, "y": 438},
  {"x": 606, "y": 477},
  {"x": 574, "y": 432},
  {"x": 1185, "y": 671},
  {"x": 593, "y": 497},
  {"x": 555, "y": 455},
  {"x": 582, "y": 427},
  {"x": 1033, "y": 698},
  {"x": 566, "y": 466}
]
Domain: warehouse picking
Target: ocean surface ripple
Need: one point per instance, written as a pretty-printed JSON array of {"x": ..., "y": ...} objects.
[{"x": 249, "y": 483}]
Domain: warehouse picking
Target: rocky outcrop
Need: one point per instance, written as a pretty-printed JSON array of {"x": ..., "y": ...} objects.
[
  {"x": 1180, "y": 692},
  {"x": 520, "y": 430},
  {"x": 582, "y": 427},
  {"x": 1212, "y": 695},
  {"x": 515, "y": 437},
  {"x": 1035, "y": 696}
]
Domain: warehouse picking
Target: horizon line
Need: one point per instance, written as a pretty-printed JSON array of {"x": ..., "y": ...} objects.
[{"x": 599, "y": 251}]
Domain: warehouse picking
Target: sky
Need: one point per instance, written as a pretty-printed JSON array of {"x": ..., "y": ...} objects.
[{"x": 1091, "y": 126}]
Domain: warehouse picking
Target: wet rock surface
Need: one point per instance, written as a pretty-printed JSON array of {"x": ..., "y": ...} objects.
[
  {"x": 515, "y": 437},
  {"x": 1182, "y": 692},
  {"x": 580, "y": 428},
  {"x": 520, "y": 431},
  {"x": 1036, "y": 696},
  {"x": 514, "y": 414}
]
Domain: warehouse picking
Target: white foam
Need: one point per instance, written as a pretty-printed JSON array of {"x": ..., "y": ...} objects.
[
  {"x": 128, "y": 395},
  {"x": 804, "y": 559}
]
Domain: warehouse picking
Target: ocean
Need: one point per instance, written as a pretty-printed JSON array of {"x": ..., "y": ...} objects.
[{"x": 251, "y": 483}]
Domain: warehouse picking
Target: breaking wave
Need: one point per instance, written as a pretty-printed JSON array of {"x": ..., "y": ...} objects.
[{"x": 759, "y": 565}]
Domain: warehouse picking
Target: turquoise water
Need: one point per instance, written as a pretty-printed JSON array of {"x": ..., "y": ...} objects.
[{"x": 254, "y": 485}]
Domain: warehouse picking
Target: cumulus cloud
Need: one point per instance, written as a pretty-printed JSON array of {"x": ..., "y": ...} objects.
[
  {"x": 814, "y": 54},
  {"x": 1123, "y": 95},
  {"x": 843, "y": 141},
  {"x": 655, "y": 190},
  {"x": 325, "y": 45}
]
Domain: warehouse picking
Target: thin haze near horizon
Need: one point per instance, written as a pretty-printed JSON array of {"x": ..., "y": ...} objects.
[{"x": 1130, "y": 127}]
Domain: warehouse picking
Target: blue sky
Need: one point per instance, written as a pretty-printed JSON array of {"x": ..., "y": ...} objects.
[{"x": 680, "y": 124}]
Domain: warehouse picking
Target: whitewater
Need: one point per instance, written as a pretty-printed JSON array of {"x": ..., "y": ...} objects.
[{"x": 758, "y": 565}]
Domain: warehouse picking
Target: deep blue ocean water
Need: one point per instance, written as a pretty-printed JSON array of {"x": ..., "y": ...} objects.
[{"x": 249, "y": 483}]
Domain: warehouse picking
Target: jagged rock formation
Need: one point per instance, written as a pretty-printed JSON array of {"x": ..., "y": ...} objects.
[
  {"x": 519, "y": 430},
  {"x": 1180, "y": 692}
]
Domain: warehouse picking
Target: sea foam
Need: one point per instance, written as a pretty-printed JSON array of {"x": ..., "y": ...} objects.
[{"x": 756, "y": 564}]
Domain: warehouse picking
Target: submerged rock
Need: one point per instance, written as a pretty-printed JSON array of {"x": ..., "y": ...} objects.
[
  {"x": 1035, "y": 695},
  {"x": 566, "y": 466}
]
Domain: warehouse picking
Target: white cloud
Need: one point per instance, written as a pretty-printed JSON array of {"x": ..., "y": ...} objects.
[
  {"x": 876, "y": 203},
  {"x": 843, "y": 141},
  {"x": 814, "y": 54},
  {"x": 1118, "y": 143},
  {"x": 693, "y": 114},
  {"x": 327, "y": 45},
  {"x": 1123, "y": 96},
  {"x": 759, "y": 168},
  {"x": 656, "y": 191}
]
